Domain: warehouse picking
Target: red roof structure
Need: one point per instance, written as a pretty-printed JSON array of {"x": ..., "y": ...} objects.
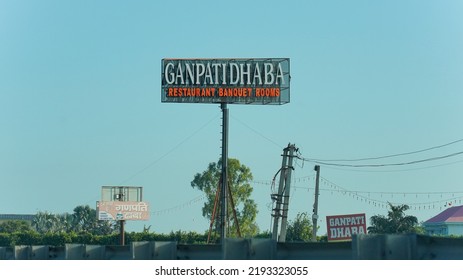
[{"x": 450, "y": 215}]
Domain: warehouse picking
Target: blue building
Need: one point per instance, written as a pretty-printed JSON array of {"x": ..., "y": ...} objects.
[{"x": 448, "y": 222}]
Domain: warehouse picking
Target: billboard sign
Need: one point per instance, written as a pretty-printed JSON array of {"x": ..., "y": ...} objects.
[
  {"x": 234, "y": 81},
  {"x": 121, "y": 193},
  {"x": 342, "y": 227},
  {"x": 122, "y": 210}
]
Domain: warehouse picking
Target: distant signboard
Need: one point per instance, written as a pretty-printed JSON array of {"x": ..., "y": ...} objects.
[
  {"x": 122, "y": 210},
  {"x": 342, "y": 227},
  {"x": 235, "y": 81},
  {"x": 121, "y": 193}
]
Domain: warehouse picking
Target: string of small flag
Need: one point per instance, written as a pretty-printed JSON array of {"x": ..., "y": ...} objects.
[
  {"x": 446, "y": 199},
  {"x": 381, "y": 199},
  {"x": 180, "y": 206}
]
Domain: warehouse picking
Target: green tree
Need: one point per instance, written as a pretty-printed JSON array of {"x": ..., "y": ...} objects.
[
  {"x": 395, "y": 222},
  {"x": 64, "y": 222},
  {"x": 14, "y": 226},
  {"x": 300, "y": 229},
  {"x": 44, "y": 222},
  {"x": 82, "y": 220},
  {"x": 420, "y": 229},
  {"x": 239, "y": 178},
  {"x": 85, "y": 220}
]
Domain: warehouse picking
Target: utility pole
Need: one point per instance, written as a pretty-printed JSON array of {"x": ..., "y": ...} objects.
[
  {"x": 315, "y": 205},
  {"x": 282, "y": 197},
  {"x": 284, "y": 218},
  {"x": 122, "y": 222},
  {"x": 278, "y": 197}
]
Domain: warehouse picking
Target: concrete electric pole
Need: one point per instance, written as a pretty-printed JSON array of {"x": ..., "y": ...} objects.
[
  {"x": 282, "y": 197},
  {"x": 315, "y": 205}
]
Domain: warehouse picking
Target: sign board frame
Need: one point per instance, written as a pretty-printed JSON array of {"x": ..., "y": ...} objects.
[
  {"x": 122, "y": 211},
  {"x": 121, "y": 193},
  {"x": 263, "y": 81},
  {"x": 342, "y": 227}
]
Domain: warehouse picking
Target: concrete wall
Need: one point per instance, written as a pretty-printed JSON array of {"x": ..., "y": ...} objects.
[{"x": 363, "y": 247}]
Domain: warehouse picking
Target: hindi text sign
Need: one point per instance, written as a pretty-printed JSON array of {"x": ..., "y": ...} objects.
[{"x": 122, "y": 210}]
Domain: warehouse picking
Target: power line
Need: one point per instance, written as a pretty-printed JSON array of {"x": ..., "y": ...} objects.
[
  {"x": 258, "y": 133},
  {"x": 169, "y": 151},
  {"x": 384, "y": 164},
  {"x": 397, "y": 170},
  {"x": 389, "y": 156}
]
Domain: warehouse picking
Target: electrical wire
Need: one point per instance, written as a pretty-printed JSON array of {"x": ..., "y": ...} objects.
[
  {"x": 257, "y": 132},
  {"x": 327, "y": 162},
  {"x": 383, "y": 164},
  {"x": 397, "y": 170},
  {"x": 389, "y": 156},
  {"x": 169, "y": 151}
]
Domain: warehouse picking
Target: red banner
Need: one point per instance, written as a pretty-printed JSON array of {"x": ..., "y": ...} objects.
[{"x": 342, "y": 227}]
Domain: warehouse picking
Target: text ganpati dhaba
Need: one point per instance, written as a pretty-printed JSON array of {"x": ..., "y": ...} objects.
[
  {"x": 343, "y": 227},
  {"x": 197, "y": 72}
]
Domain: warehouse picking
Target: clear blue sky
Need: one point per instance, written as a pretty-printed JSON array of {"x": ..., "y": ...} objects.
[{"x": 80, "y": 103}]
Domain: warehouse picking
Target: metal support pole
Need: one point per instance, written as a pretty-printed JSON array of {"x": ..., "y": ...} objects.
[
  {"x": 224, "y": 189},
  {"x": 122, "y": 233},
  {"x": 315, "y": 205},
  {"x": 122, "y": 222}
]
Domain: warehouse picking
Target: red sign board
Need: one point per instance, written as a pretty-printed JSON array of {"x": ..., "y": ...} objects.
[{"x": 342, "y": 227}]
